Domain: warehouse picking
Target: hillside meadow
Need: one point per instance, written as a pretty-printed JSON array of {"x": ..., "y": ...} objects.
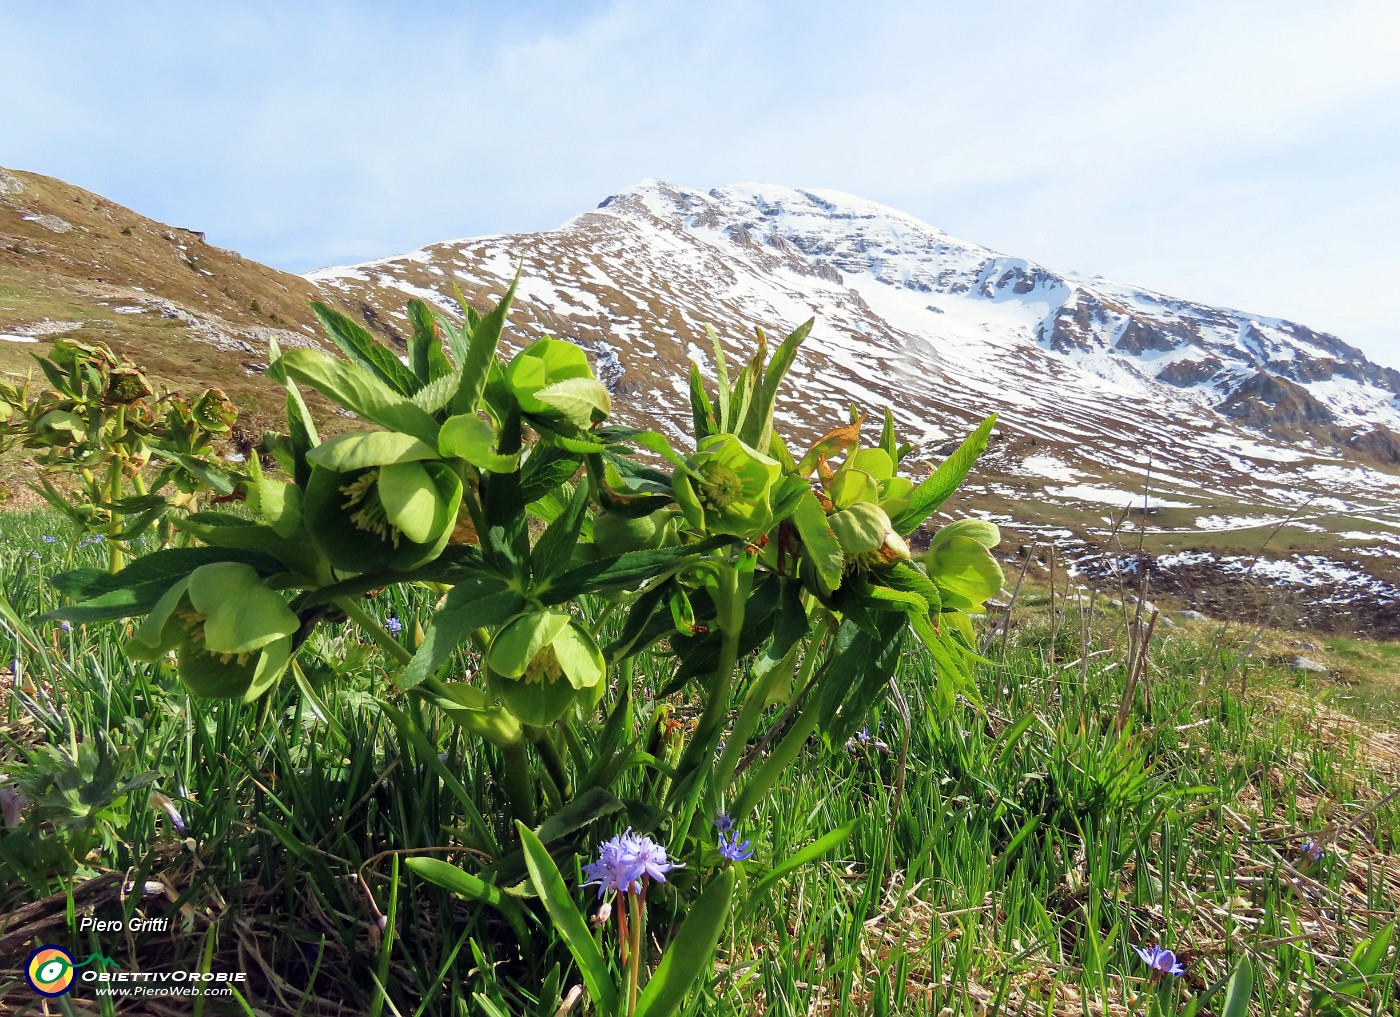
[{"x": 1006, "y": 859}]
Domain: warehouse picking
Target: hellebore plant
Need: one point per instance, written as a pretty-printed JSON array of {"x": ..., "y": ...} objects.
[
  {"x": 777, "y": 587},
  {"x": 100, "y": 426}
]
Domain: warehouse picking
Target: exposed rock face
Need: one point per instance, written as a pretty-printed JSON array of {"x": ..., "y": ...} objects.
[
  {"x": 1189, "y": 373},
  {"x": 1379, "y": 442},
  {"x": 1266, "y": 400}
]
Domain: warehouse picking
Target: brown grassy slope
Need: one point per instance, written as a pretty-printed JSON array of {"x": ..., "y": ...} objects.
[{"x": 193, "y": 315}]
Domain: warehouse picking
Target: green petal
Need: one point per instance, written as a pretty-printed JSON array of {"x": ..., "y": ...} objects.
[
  {"x": 157, "y": 633},
  {"x": 965, "y": 572},
  {"x": 543, "y": 363},
  {"x": 851, "y": 487},
  {"x": 874, "y": 461},
  {"x": 361, "y": 449},
  {"x": 579, "y": 657},
  {"x": 516, "y": 645},
  {"x": 468, "y": 437},
  {"x": 683, "y": 490},
  {"x": 534, "y": 703},
  {"x": 861, "y": 528},
  {"x": 985, "y": 533},
  {"x": 411, "y": 500},
  {"x": 272, "y": 664},
  {"x": 241, "y": 613},
  {"x": 207, "y": 676}
]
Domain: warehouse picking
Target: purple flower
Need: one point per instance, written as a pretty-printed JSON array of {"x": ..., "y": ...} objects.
[
  {"x": 723, "y": 823},
  {"x": 865, "y": 740},
  {"x": 1313, "y": 851},
  {"x": 49, "y": 540},
  {"x": 176, "y": 820},
  {"x": 1162, "y": 962},
  {"x": 393, "y": 625},
  {"x": 625, "y": 860},
  {"x": 64, "y": 626},
  {"x": 732, "y": 850}
]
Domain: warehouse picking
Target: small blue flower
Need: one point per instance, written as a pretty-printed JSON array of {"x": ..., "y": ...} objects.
[
  {"x": 625, "y": 860},
  {"x": 49, "y": 540},
  {"x": 865, "y": 740},
  {"x": 64, "y": 626},
  {"x": 176, "y": 820},
  {"x": 1162, "y": 962},
  {"x": 393, "y": 625},
  {"x": 1313, "y": 851},
  {"x": 723, "y": 822},
  {"x": 731, "y": 849}
]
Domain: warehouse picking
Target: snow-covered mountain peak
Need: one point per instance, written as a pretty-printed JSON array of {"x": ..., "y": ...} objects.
[{"x": 1103, "y": 389}]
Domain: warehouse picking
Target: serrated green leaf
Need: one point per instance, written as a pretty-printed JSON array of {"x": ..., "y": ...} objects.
[
  {"x": 938, "y": 488},
  {"x": 821, "y": 550},
  {"x": 477, "y": 351},
  {"x": 581, "y": 401},
  {"x": 365, "y": 350},
  {"x": 360, "y": 392},
  {"x": 356, "y": 450}
]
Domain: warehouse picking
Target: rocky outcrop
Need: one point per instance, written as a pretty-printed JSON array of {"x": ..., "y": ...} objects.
[
  {"x": 1189, "y": 373},
  {"x": 1379, "y": 442},
  {"x": 1267, "y": 401}
]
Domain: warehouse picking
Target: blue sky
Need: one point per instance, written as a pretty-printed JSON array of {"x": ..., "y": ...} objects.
[{"x": 1238, "y": 153}]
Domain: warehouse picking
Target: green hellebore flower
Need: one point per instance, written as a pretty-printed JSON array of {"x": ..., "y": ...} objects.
[
  {"x": 616, "y": 533},
  {"x": 397, "y": 515},
  {"x": 231, "y": 634},
  {"x": 541, "y": 662},
  {"x": 214, "y": 411},
  {"x": 126, "y": 385},
  {"x": 867, "y": 537},
  {"x": 727, "y": 487},
  {"x": 961, "y": 565}
]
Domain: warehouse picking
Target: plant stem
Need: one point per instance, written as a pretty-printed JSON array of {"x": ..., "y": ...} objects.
[
  {"x": 634, "y": 968},
  {"x": 519, "y": 788},
  {"x": 730, "y": 619}
]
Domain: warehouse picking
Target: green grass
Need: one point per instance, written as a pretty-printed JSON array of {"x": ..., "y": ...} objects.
[{"x": 1033, "y": 844}]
